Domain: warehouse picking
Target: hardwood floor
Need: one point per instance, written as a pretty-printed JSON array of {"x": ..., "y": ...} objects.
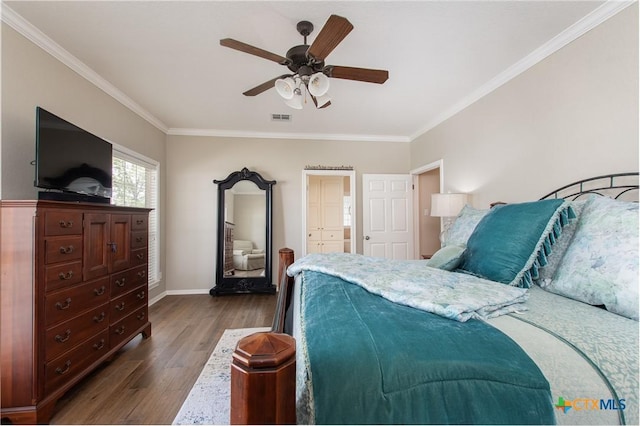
[{"x": 148, "y": 380}]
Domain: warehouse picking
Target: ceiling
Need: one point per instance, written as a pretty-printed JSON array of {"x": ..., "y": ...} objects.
[{"x": 163, "y": 58}]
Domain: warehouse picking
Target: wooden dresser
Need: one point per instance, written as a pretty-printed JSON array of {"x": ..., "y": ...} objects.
[{"x": 73, "y": 291}]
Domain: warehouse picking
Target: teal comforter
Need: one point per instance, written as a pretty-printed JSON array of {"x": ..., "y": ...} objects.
[{"x": 376, "y": 362}]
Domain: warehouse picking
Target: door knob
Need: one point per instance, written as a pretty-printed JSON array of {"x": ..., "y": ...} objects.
[{"x": 366, "y": 237}]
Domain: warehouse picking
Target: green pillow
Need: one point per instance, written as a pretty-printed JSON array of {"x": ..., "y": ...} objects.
[
  {"x": 447, "y": 258},
  {"x": 511, "y": 242}
]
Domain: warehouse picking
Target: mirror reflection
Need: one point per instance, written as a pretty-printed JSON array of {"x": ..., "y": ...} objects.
[{"x": 245, "y": 224}]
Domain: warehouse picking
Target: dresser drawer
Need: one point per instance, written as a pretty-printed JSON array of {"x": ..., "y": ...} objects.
[
  {"x": 139, "y": 222},
  {"x": 66, "y": 335},
  {"x": 128, "y": 325},
  {"x": 63, "y": 305},
  {"x": 126, "y": 304},
  {"x": 64, "y": 368},
  {"x": 62, "y": 222},
  {"x": 126, "y": 281},
  {"x": 139, "y": 239},
  {"x": 139, "y": 257},
  {"x": 62, "y": 275},
  {"x": 62, "y": 249}
]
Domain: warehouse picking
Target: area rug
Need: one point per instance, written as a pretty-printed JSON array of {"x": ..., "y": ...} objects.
[{"x": 208, "y": 401}]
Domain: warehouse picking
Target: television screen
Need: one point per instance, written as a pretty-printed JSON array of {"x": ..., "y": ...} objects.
[{"x": 71, "y": 159}]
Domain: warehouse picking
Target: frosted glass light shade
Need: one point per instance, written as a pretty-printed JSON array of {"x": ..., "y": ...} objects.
[
  {"x": 322, "y": 100},
  {"x": 318, "y": 84},
  {"x": 447, "y": 205},
  {"x": 296, "y": 100},
  {"x": 285, "y": 87}
]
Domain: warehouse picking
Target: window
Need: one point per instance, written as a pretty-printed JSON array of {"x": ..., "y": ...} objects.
[{"x": 135, "y": 184}]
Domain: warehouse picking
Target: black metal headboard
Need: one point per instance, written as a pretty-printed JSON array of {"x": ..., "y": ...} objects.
[{"x": 622, "y": 186}]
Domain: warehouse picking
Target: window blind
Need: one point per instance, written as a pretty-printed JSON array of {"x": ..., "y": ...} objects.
[{"x": 135, "y": 184}]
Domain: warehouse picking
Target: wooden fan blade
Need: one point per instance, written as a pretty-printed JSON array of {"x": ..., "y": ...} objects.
[
  {"x": 264, "y": 86},
  {"x": 334, "y": 31},
  {"x": 358, "y": 74},
  {"x": 252, "y": 50}
]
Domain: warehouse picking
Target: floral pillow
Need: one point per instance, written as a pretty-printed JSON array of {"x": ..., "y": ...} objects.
[
  {"x": 600, "y": 266},
  {"x": 463, "y": 227},
  {"x": 560, "y": 247}
]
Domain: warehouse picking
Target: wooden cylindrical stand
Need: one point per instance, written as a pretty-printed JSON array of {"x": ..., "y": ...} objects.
[{"x": 263, "y": 380}]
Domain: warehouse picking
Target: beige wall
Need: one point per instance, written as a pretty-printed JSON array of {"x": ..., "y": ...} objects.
[
  {"x": 194, "y": 162},
  {"x": 572, "y": 116},
  {"x": 30, "y": 78}
]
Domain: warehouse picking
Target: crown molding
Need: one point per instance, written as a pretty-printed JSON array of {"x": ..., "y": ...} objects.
[
  {"x": 33, "y": 34},
  {"x": 272, "y": 135},
  {"x": 589, "y": 22}
]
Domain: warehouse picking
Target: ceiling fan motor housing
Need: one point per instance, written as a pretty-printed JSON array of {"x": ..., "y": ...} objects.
[{"x": 298, "y": 57}]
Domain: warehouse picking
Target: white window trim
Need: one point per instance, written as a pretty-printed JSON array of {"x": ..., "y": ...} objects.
[{"x": 137, "y": 157}]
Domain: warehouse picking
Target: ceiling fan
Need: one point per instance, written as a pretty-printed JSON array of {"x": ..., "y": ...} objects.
[{"x": 306, "y": 63}]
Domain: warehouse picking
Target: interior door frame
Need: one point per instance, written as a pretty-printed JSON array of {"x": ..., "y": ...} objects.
[
  {"x": 415, "y": 173},
  {"x": 351, "y": 174}
]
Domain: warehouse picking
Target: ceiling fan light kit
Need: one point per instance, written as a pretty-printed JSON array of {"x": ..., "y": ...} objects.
[
  {"x": 285, "y": 87},
  {"x": 307, "y": 65}
]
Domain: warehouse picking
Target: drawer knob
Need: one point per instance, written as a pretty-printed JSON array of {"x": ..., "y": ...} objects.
[
  {"x": 139, "y": 239},
  {"x": 140, "y": 295},
  {"x": 62, "y": 306},
  {"x": 140, "y": 256},
  {"x": 99, "y": 291},
  {"x": 99, "y": 345},
  {"x": 120, "y": 283},
  {"x": 142, "y": 274},
  {"x": 120, "y": 306},
  {"x": 66, "y": 276},
  {"x": 99, "y": 318},
  {"x": 66, "y": 224},
  {"x": 119, "y": 330},
  {"x": 66, "y": 250},
  {"x": 67, "y": 366},
  {"x": 141, "y": 316},
  {"x": 62, "y": 339},
  {"x": 139, "y": 221}
]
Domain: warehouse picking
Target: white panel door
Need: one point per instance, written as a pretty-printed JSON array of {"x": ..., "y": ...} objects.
[{"x": 387, "y": 202}]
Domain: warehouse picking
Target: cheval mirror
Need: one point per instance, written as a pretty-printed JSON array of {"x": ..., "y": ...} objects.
[{"x": 243, "y": 258}]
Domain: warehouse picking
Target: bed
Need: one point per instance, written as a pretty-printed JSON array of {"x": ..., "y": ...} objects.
[{"x": 544, "y": 339}]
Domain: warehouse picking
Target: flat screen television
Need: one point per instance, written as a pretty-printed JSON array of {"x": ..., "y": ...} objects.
[{"x": 71, "y": 163}]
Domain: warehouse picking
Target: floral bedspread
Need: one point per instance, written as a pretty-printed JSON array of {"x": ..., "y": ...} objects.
[{"x": 411, "y": 283}]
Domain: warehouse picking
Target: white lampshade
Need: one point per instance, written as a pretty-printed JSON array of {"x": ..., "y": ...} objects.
[
  {"x": 318, "y": 84},
  {"x": 322, "y": 100},
  {"x": 296, "y": 100},
  {"x": 285, "y": 87},
  {"x": 447, "y": 205}
]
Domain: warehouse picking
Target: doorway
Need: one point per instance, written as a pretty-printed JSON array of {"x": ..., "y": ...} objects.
[
  {"x": 427, "y": 180},
  {"x": 329, "y": 211}
]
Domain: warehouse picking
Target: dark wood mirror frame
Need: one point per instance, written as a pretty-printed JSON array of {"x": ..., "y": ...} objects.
[{"x": 231, "y": 284}]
